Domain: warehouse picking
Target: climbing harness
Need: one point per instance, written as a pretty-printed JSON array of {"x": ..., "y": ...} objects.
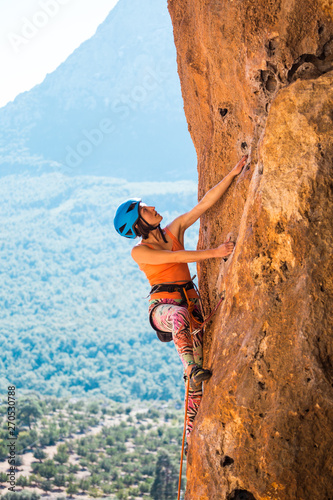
[
  {"x": 182, "y": 289},
  {"x": 171, "y": 288}
]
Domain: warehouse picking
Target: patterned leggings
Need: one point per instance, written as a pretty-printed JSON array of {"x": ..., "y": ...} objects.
[{"x": 171, "y": 317}]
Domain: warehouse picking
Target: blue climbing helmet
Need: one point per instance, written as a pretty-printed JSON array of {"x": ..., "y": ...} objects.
[{"x": 126, "y": 217}]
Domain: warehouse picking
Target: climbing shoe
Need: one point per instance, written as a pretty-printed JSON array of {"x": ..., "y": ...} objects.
[{"x": 198, "y": 375}]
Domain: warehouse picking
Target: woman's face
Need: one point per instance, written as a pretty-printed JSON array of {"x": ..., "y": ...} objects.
[{"x": 149, "y": 214}]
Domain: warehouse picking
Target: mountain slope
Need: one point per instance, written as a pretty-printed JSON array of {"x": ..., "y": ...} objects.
[
  {"x": 73, "y": 309},
  {"x": 113, "y": 107}
]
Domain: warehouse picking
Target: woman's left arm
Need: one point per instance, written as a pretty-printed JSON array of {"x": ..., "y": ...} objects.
[{"x": 181, "y": 223}]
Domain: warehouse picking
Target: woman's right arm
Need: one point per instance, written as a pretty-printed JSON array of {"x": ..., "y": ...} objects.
[
  {"x": 145, "y": 255},
  {"x": 181, "y": 223}
]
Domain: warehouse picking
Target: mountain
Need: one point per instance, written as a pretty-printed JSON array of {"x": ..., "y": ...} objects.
[{"x": 114, "y": 107}]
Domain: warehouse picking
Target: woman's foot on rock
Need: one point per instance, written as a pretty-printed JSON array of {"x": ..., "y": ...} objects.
[{"x": 198, "y": 375}]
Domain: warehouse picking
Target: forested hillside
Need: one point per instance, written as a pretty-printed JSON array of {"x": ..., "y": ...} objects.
[
  {"x": 93, "y": 449},
  {"x": 74, "y": 316}
]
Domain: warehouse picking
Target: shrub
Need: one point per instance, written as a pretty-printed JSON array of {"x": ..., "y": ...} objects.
[
  {"x": 39, "y": 454},
  {"x": 95, "y": 479},
  {"x": 84, "y": 484},
  {"x": 165, "y": 485},
  {"x": 122, "y": 495},
  {"x": 72, "y": 489},
  {"x": 22, "y": 495},
  {"x": 95, "y": 492},
  {"x": 46, "y": 469},
  {"x": 59, "y": 480},
  {"x": 46, "y": 485},
  {"x": 3, "y": 477},
  {"x": 22, "y": 481}
]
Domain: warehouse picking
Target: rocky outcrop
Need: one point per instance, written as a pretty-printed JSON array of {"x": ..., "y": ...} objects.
[{"x": 257, "y": 77}]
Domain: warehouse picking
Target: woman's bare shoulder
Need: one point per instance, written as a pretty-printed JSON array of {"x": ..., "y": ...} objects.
[
  {"x": 139, "y": 250},
  {"x": 176, "y": 230}
]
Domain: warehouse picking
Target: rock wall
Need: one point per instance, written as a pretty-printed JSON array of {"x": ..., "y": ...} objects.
[{"x": 257, "y": 77}]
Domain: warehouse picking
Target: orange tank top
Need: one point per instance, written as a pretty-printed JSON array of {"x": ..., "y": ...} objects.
[{"x": 168, "y": 273}]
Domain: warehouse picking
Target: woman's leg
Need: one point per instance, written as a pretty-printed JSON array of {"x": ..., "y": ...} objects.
[
  {"x": 176, "y": 319},
  {"x": 197, "y": 340},
  {"x": 194, "y": 400},
  {"x": 194, "y": 396}
]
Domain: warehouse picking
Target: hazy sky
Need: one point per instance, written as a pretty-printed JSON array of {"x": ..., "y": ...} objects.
[{"x": 37, "y": 35}]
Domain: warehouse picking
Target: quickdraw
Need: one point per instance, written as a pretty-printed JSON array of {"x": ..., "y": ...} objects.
[{"x": 204, "y": 323}]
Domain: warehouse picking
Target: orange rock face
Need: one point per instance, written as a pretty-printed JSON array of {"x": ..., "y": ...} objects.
[{"x": 257, "y": 77}]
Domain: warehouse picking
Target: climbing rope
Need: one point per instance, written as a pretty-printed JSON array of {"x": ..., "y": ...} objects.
[
  {"x": 191, "y": 307},
  {"x": 183, "y": 441},
  {"x": 204, "y": 323}
]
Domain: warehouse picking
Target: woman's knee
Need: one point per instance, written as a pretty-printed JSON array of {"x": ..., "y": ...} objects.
[{"x": 181, "y": 318}]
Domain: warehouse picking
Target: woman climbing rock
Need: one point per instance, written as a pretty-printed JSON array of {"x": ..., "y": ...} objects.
[{"x": 174, "y": 308}]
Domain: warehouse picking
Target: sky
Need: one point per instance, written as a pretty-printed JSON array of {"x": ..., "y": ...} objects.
[{"x": 36, "y": 36}]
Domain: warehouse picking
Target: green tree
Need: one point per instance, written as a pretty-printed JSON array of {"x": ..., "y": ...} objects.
[
  {"x": 95, "y": 492},
  {"x": 61, "y": 457},
  {"x": 93, "y": 408},
  {"x": 50, "y": 435},
  {"x": 3, "y": 477},
  {"x": 28, "y": 412},
  {"x": 95, "y": 479},
  {"x": 122, "y": 495},
  {"x": 39, "y": 454},
  {"x": 73, "y": 468},
  {"x": 33, "y": 480},
  {"x": 107, "y": 489},
  {"x": 106, "y": 464},
  {"x": 72, "y": 489},
  {"x": 47, "y": 469},
  {"x": 3, "y": 452},
  {"x": 46, "y": 485},
  {"x": 127, "y": 479},
  {"x": 23, "y": 495},
  {"x": 59, "y": 480},
  {"x": 144, "y": 487},
  {"x": 22, "y": 481},
  {"x": 165, "y": 485},
  {"x": 84, "y": 484},
  {"x": 26, "y": 440}
]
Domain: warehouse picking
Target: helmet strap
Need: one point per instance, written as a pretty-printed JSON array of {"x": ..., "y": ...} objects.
[
  {"x": 152, "y": 228},
  {"x": 162, "y": 234}
]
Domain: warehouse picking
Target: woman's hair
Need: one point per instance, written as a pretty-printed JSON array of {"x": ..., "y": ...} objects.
[{"x": 141, "y": 229}]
